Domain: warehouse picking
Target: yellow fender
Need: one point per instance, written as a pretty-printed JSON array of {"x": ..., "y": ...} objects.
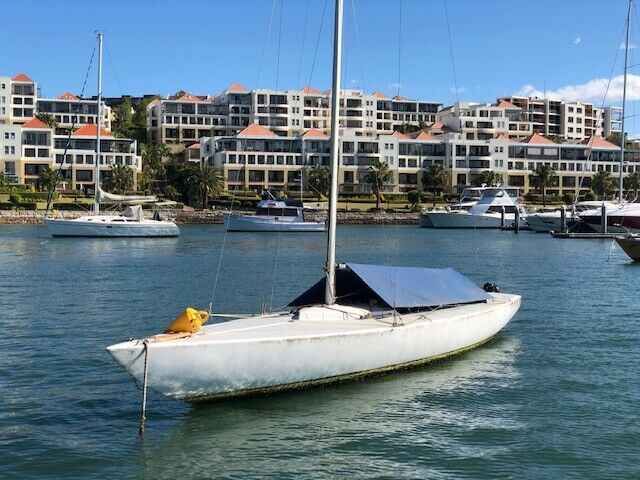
[{"x": 189, "y": 321}]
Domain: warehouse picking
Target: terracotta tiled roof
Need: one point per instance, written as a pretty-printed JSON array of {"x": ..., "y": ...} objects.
[
  {"x": 90, "y": 130},
  {"x": 21, "y": 77},
  {"x": 598, "y": 142},
  {"x": 424, "y": 136},
  {"x": 399, "y": 135},
  {"x": 153, "y": 102},
  {"x": 255, "y": 130},
  {"x": 507, "y": 105},
  {"x": 35, "y": 123},
  {"x": 400, "y": 97},
  {"x": 195, "y": 146},
  {"x": 437, "y": 126},
  {"x": 188, "y": 97},
  {"x": 67, "y": 96},
  {"x": 236, "y": 88},
  {"x": 315, "y": 133},
  {"x": 379, "y": 94},
  {"x": 312, "y": 91},
  {"x": 538, "y": 139}
]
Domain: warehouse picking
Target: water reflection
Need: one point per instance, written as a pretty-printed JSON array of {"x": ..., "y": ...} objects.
[{"x": 348, "y": 429}]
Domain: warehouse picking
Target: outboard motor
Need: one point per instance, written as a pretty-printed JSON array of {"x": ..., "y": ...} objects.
[{"x": 491, "y": 287}]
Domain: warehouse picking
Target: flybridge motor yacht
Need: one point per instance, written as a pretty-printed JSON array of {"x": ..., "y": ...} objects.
[
  {"x": 551, "y": 220},
  {"x": 131, "y": 223},
  {"x": 358, "y": 320},
  {"x": 274, "y": 216},
  {"x": 487, "y": 213}
]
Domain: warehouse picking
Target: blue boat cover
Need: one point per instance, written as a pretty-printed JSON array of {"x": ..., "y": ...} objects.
[{"x": 398, "y": 287}]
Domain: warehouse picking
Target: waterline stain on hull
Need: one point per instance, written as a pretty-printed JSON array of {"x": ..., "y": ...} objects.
[{"x": 322, "y": 382}]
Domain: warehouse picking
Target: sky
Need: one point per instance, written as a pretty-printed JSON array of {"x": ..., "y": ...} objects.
[{"x": 562, "y": 48}]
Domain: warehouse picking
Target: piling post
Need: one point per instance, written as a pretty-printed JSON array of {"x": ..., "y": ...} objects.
[
  {"x": 503, "y": 221},
  {"x": 563, "y": 219},
  {"x": 603, "y": 218},
  {"x": 516, "y": 223}
]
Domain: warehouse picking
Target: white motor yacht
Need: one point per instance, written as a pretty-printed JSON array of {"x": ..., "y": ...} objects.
[
  {"x": 487, "y": 213},
  {"x": 621, "y": 218},
  {"x": 274, "y": 216}
]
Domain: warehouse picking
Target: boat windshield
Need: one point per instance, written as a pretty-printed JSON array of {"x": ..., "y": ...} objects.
[
  {"x": 494, "y": 193},
  {"x": 277, "y": 212}
]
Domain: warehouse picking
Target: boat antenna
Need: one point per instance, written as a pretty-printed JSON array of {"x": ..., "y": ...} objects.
[
  {"x": 330, "y": 290},
  {"x": 96, "y": 199},
  {"x": 624, "y": 100}
]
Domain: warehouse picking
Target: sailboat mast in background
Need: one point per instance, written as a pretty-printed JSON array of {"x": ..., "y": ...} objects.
[
  {"x": 624, "y": 101},
  {"x": 96, "y": 199}
]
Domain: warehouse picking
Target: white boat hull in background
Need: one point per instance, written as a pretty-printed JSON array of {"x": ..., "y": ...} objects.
[
  {"x": 439, "y": 219},
  {"x": 278, "y": 352},
  {"x": 545, "y": 222},
  {"x": 110, "y": 226},
  {"x": 257, "y": 224}
]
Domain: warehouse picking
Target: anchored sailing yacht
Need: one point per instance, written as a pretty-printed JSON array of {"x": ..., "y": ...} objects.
[
  {"x": 274, "y": 216},
  {"x": 131, "y": 223},
  {"x": 359, "y": 320},
  {"x": 487, "y": 213}
]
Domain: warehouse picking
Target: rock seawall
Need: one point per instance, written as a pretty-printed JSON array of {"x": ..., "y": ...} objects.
[{"x": 26, "y": 217}]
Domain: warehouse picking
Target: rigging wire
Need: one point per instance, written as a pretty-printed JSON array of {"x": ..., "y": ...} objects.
[
  {"x": 304, "y": 37},
  {"x": 113, "y": 69},
  {"x": 399, "y": 45},
  {"x": 278, "y": 51},
  {"x": 359, "y": 48},
  {"x": 315, "y": 52},
  {"x": 266, "y": 43},
  {"x": 74, "y": 118},
  {"x": 453, "y": 64}
]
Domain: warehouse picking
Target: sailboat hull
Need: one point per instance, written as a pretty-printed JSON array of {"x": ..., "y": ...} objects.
[
  {"x": 257, "y": 224},
  {"x": 273, "y": 353},
  {"x": 110, "y": 226}
]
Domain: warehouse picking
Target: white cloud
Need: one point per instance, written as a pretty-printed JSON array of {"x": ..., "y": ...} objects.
[
  {"x": 577, "y": 41},
  {"x": 631, "y": 46},
  {"x": 593, "y": 90}
]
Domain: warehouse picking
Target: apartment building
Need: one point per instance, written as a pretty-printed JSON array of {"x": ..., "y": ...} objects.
[
  {"x": 482, "y": 121},
  {"x": 184, "y": 118},
  {"x": 257, "y": 158},
  {"x": 18, "y": 96},
  {"x": 570, "y": 119},
  {"x": 70, "y": 110},
  {"x": 27, "y": 150}
]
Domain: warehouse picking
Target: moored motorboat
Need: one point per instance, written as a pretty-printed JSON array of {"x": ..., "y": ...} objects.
[
  {"x": 274, "y": 216},
  {"x": 551, "y": 220},
  {"x": 631, "y": 246},
  {"x": 495, "y": 204}
]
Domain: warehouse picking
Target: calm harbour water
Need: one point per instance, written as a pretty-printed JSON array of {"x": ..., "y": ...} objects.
[{"x": 555, "y": 395}]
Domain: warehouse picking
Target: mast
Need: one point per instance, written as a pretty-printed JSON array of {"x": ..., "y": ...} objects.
[
  {"x": 330, "y": 290},
  {"x": 624, "y": 100},
  {"x": 96, "y": 203}
]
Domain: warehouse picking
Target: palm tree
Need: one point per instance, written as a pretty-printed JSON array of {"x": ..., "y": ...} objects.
[
  {"x": 632, "y": 183},
  {"x": 47, "y": 180},
  {"x": 543, "y": 177},
  {"x": 602, "y": 184},
  {"x": 48, "y": 119},
  {"x": 436, "y": 177},
  {"x": 319, "y": 179},
  {"x": 489, "y": 178},
  {"x": 377, "y": 175},
  {"x": 205, "y": 181},
  {"x": 121, "y": 178}
]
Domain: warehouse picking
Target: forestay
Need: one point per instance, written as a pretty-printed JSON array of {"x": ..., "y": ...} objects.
[{"x": 397, "y": 287}]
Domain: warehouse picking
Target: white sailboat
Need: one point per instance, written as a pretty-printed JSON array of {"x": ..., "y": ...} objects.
[
  {"x": 129, "y": 224},
  {"x": 274, "y": 216},
  {"x": 361, "y": 319}
]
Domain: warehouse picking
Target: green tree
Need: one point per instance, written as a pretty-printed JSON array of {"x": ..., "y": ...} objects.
[
  {"x": 205, "y": 181},
  {"x": 602, "y": 184},
  {"x": 377, "y": 175},
  {"x": 48, "y": 119},
  {"x": 47, "y": 180},
  {"x": 542, "y": 178},
  {"x": 413, "y": 196},
  {"x": 436, "y": 177},
  {"x": 557, "y": 138},
  {"x": 632, "y": 183},
  {"x": 153, "y": 164},
  {"x": 171, "y": 192},
  {"x": 123, "y": 118},
  {"x": 489, "y": 178},
  {"x": 4, "y": 179},
  {"x": 121, "y": 179},
  {"x": 319, "y": 179}
]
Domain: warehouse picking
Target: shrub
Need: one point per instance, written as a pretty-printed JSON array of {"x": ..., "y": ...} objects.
[
  {"x": 6, "y": 206},
  {"x": 179, "y": 205},
  {"x": 589, "y": 196},
  {"x": 15, "y": 198},
  {"x": 568, "y": 198},
  {"x": 38, "y": 196},
  {"x": 413, "y": 196}
]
